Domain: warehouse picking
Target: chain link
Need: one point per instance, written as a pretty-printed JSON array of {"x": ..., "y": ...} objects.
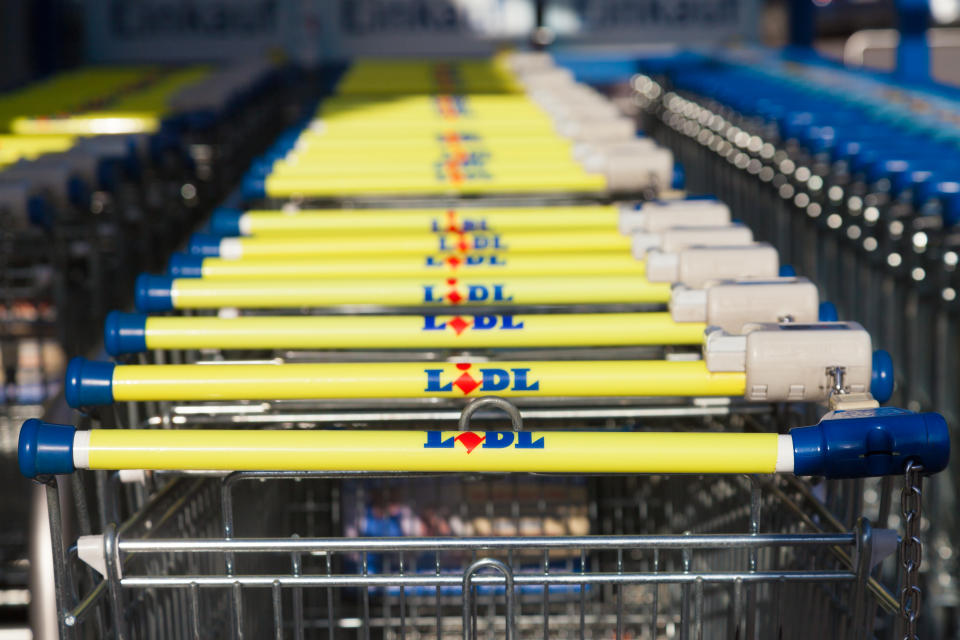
[{"x": 911, "y": 549}]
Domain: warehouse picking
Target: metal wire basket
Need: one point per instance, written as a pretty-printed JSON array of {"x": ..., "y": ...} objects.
[{"x": 368, "y": 555}]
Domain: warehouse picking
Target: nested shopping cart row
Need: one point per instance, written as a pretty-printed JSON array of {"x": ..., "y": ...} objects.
[
  {"x": 869, "y": 442},
  {"x": 649, "y": 395},
  {"x": 103, "y": 170},
  {"x": 532, "y": 130}
]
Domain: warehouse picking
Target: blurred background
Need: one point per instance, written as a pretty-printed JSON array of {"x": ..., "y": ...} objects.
[{"x": 122, "y": 210}]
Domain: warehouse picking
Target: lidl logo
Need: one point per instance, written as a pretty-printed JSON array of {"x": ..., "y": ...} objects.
[
  {"x": 483, "y": 379},
  {"x": 454, "y": 222},
  {"x": 486, "y": 322},
  {"x": 454, "y": 262},
  {"x": 453, "y": 292},
  {"x": 470, "y": 440},
  {"x": 473, "y": 242},
  {"x": 459, "y": 163},
  {"x": 450, "y": 107}
]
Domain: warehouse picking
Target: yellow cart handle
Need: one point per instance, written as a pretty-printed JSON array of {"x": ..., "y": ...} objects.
[
  {"x": 162, "y": 293},
  {"x": 92, "y": 383},
  {"x": 418, "y": 244},
  {"x": 134, "y": 333},
  {"x": 840, "y": 446},
  {"x": 233, "y": 222},
  {"x": 483, "y": 264}
]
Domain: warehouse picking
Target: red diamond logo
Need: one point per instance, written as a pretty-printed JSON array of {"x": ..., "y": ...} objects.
[
  {"x": 458, "y": 324},
  {"x": 453, "y": 261},
  {"x": 454, "y": 297},
  {"x": 466, "y": 383},
  {"x": 462, "y": 245},
  {"x": 452, "y": 221},
  {"x": 470, "y": 440}
]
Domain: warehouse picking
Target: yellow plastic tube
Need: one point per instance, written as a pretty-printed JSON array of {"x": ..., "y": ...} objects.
[
  {"x": 13, "y": 148},
  {"x": 475, "y": 265},
  {"x": 419, "y": 380},
  {"x": 199, "y": 293},
  {"x": 425, "y": 451},
  {"x": 363, "y": 221},
  {"x": 435, "y": 140},
  {"x": 92, "y": 123},
  {"x": 420, "y": 332},
  {"x": 431, "y": 184},
  {"x": 428, "y": 185},
  {"x": 380, "y": 244},
  {"x": 416, "y": 168}
]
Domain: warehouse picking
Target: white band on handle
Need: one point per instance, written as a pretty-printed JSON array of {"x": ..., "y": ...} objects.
[
  {"x": 785, "y": 453},
  {"x": 81, "y": 450},
  {"x": 231, "y": 249}
]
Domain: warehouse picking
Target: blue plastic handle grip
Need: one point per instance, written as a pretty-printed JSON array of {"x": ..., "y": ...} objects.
[
  {"x": 153, "y": 293},
  {"x": 827, "y": 312},
  {"x": 89, "y": 383},
  {"x": 871, "y": 442},
  {"x": 679, "y": 178},
  {"x": 204, "y": 244},
  {"x": 225, "y": 222},
  {"x": 45, "y": 448},
  {"x": 184, "y": 265},
  {"x": 881, "y": 378},
  {"x": 125, "y": 333}
]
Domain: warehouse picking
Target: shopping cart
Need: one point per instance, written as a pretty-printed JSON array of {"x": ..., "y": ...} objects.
[{"x": 213, "y": 554}]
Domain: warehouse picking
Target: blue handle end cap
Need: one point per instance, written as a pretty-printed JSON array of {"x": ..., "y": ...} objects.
[
  {"x": 938, "y": 437},
  {"x": 881, "y": 379},
  {"x": 184, "y": 265},
  {"x": 153, "y": 293},
  {"x": 787, "y": 271},
  {"x": 253, "y": 187},
  {"x": 862, "y": 443},
  {"x": 827, "y": 312},
  {"x": 45, "y": 448},
  {"x": 89, "y": 383},
  {"x": 204, "y": 244},
  {"x": 125, "y": 333},
  {"x": 679, "y": 176},
  {"x": 225, "y": 222}
]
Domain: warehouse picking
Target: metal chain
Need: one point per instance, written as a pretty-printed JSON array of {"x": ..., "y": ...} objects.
[{"x": 911, "y": 548}]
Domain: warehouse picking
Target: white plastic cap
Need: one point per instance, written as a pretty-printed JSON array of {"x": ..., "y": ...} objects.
[
  {"x": 582, "y": 150},
  {"x": 658, "y": 215},
  {"x": 662, "y": 267},
  {"x": 688, "y": 305},
  {"x": 523, "y": 62},
  {"x": 794, "y": 362},
  {"x": 701, "y": 265},
  {"x": 607, "y": 129},
  {"x": 632, "y": 174},
  {"x": 735, "y": 304},
  {"x": 679, "y": 238}
]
